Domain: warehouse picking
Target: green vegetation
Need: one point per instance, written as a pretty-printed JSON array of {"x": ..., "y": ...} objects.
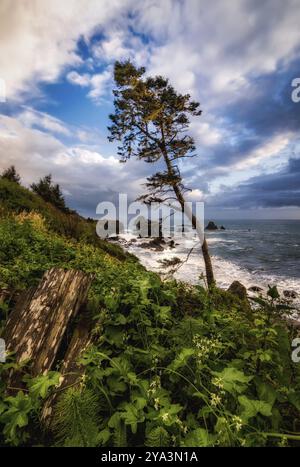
[
  {"x": 50, "y": 192},
  {"x": 171, "y": 364},
  {"x": 19, "y": 200},
  {"x": 11, "y": 174}
]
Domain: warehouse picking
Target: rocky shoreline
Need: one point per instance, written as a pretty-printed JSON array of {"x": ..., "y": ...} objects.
[{"x": 160, "y": 253}]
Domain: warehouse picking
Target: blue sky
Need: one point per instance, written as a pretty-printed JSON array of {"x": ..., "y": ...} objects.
[{"x": 237, "y": 58}]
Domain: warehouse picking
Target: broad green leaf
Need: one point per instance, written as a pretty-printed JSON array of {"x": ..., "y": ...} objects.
[
  {"x": 114, "y": 420},
  {"x": 131, "y": 416},
  {"x": 114, "y": 335},
  {"x": 233, "y": 380},
  {"x": 266, "y": 392},
  {"x": 120, "y": 319},
  {"x": 104, "y": 436},
  {"x": 122, "y": 365},
  {"x": 294, "y": 398},
  {"x": 116, "y": 385},
  {"x": 182, "y": 358},
  {"x": 16, "y": 416},
  {"x": 168, "y": 415},
  {"x": 39, "y": 386},
  {"x": 3, "y": 407},
  {"x": 139, "y": 402},
  {"x": 250, "y": 408},
  {"x": 163, "y": 313}
]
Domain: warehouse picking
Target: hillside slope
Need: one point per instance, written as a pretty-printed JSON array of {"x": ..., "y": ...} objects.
[
  {"x": 16, "y": 199},
  {"x": 170, "y": 364}
]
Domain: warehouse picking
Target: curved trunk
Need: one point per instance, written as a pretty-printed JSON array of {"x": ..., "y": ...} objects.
[
  {"x": 206, "y": 256},
  {"x": 208, "y": 264}
]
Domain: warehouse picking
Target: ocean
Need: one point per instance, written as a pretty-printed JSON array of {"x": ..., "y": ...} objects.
[
  {"x": 255, "y": 252},
  {"x": 269, "y": 248}
]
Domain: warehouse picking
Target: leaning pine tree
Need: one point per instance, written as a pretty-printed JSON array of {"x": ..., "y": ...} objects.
[{"x": 151, "y": 120}]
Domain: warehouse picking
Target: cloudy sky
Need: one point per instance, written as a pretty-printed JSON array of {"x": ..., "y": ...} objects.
[{"x": 237, "y": 57}]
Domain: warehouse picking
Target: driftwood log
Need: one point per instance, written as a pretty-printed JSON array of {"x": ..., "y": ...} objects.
[{"x": 38, "y": 323}]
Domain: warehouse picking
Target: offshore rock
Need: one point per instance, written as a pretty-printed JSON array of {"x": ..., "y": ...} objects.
[{"x": 211, "y": 226}]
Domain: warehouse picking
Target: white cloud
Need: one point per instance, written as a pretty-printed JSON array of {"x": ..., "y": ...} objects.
[
  {"x": 209, "y": 49},
  {"x": 121, "y": 44},
  {"x": 85, "y": 157},
  {"x": 178, "y": 61},
  {"x": 268, "y": 157},
  {"x": 269, "y": 149},
  {"x": 86, "y": 175},
  {"x": 195, "y": 195},
  {"x": 206, "y": 133},
  {"x": 30, "y": 118},
  {"x": 36, "y": 45},
  {"x": 112, "y": 47},
  {"x": 81, "y": 80},
  {"x": 98, "y": 83},
  {"x": 193, "y": 42}
]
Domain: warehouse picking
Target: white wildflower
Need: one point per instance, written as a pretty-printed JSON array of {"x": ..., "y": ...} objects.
[
  {"x": 215, "y": 400},
  {"x": 218, "y": 383},
  {"x": 238, "y": 422},
  {"x": 156, "y": 403}
]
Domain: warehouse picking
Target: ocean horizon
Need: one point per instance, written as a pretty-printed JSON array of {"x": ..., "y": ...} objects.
[{"x": 258, "y": 253}]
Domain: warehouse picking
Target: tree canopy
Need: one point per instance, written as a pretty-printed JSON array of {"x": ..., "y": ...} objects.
[
  {"x": 150, "y": 122},
  {"x": 11, "y": 174},
  {"x": 50, "y": 192}
]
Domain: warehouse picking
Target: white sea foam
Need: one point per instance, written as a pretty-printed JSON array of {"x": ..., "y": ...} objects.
[
  {"x": 213, "y": 240},
  {"x": 190, "y": 271}
]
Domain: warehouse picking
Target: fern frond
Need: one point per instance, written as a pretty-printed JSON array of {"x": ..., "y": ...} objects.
[
  {"x": 75, "y": 422},
  {"x": 158, "y": 437},
  {"x": 119, "y": 430},
  {"x": 120, "y": 435}
]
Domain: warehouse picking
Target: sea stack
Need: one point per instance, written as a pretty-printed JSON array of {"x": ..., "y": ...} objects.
[{"x": 211, "y": 226}]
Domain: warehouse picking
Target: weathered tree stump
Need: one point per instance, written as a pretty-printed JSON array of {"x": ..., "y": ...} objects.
[{"x": 36, "y": 326}]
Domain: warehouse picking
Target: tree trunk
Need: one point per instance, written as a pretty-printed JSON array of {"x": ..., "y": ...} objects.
[
  {"x": 37, "y": 325},
  {"x": 206, "y": 256}
]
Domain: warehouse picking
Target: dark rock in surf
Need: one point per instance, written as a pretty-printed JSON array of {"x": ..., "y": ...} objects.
[
  {"x": 290, "y": 294},
  {"x": 211, "y": 226},
  {"x": 114, "y": 239},
  {"x": 154, "y": 244},
  {"x": 255, "y": 288}
]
